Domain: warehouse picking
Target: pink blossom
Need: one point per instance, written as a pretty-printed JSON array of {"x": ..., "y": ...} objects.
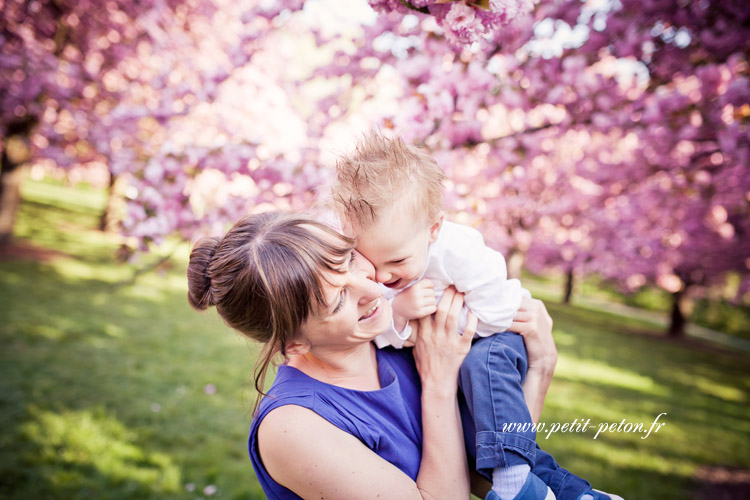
[{"x": 461, "y": 24}]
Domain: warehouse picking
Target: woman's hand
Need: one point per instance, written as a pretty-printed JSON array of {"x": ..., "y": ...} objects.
[
  {"x": 535, "y": 324},
  {"x": 439, "y": 349}
]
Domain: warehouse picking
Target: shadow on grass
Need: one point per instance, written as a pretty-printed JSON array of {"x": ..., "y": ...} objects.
[{"x": 58, "y": 228}]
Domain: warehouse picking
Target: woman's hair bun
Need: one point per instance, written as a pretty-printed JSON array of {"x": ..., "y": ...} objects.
[{"x": 199, "y": 282}]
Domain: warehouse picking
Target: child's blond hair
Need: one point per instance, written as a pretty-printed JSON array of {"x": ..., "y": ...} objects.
[{"x": 380, "y": 171}]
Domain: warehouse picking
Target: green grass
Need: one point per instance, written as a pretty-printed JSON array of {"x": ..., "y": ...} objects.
[
  {"x": 611, "y": 369},
  {"x": 103, "y": 387}
]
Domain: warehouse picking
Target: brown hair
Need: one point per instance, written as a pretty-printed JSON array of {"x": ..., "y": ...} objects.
[
  {"x": 381, "y": 170},
  {"x": 265, "y": 277}
]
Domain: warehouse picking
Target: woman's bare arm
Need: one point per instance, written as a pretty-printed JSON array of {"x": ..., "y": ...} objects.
[
  {"x": 315, "y": 459},
  {"x": 535, "y": 324},
  {"x": 438, "y": 354}
]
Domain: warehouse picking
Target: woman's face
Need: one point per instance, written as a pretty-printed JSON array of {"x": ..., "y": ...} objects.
[{"x": 357, "y": 311}]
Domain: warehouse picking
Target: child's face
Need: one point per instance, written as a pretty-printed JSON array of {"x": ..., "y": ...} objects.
[{"x": 397, "y": 246}]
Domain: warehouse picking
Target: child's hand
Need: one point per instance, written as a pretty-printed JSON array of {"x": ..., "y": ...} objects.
[{"x": 415, "y": 302}]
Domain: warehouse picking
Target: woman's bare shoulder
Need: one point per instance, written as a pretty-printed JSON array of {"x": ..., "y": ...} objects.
[
  {"x": 328, "y": 462},
  {"x": 285, "y": 422}
]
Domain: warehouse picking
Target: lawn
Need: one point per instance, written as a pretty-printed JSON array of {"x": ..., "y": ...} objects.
[{"x": 116, "y": 390}]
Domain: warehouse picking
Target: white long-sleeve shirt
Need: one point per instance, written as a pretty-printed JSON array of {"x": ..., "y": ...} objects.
[{"x": 460, "y": 258}]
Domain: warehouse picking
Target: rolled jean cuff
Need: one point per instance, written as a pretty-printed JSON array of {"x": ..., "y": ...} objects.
[{"x": 493, "y": 450}]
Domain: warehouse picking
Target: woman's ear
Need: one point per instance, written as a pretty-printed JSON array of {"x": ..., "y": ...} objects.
[
  {"x": 297, "y": 347},
  {"x": 435, "y": 228}
]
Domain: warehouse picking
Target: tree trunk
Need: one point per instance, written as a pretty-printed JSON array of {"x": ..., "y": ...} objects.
[
  {"x": 677, "y": 321},
  {"x": 11, "y": 174},
  {"x": 515, "y": 264},
  {"x": 569, "y": 281},
  {"x": 110, "y": 218},
  {"x": 12, "y": 136}
]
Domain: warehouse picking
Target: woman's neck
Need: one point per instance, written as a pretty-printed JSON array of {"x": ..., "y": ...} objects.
[{"x": 355, "y": 368}]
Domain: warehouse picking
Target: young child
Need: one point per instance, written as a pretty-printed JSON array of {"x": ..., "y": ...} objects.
[{"x": 389, "y": 195}]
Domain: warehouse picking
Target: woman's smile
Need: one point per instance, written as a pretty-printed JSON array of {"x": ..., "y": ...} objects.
[{"x": 372, "y": 311}]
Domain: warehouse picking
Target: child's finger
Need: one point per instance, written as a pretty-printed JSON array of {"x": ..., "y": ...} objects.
[
  {"x": 431, "y": 306},
  {"x": 426, "y": 283},
  {"x": 428, "y": 301}
]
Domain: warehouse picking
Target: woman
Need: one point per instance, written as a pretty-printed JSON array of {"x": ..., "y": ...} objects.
[{"x": 343, "y": 419}]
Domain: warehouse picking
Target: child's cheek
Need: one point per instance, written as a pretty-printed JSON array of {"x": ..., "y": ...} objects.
[{"x": 413, "y": 273}]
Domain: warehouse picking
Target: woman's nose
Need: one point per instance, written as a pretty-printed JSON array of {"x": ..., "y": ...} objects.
[
  {"x": 364, "y": 266},
  {"x": 367, "y": 289}
]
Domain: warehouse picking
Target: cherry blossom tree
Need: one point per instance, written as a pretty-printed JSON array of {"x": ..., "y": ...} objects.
[
  {"x": 60, "y": 62},
  {"x": 608, "y": 138},
  {"x": 592, "y": 137},
  {"x": 91, "y": 82},
  {"x": 691, "y": 201}
]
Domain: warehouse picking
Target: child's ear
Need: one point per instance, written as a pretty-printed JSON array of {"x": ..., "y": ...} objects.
[
  {"x": 435, "y": 228},
  {"x": 297, "y": 347}
]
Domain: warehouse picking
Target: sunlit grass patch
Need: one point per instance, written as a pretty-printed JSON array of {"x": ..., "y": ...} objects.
[
  {"x": 584, "y": 370},
  {"x": 72, "y": 445}
]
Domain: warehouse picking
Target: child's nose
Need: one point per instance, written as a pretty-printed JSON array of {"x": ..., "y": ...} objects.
[{"x": 382, "y": 276}]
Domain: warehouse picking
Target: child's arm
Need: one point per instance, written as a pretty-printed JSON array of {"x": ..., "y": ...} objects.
[{"x": 481, "y": 274}]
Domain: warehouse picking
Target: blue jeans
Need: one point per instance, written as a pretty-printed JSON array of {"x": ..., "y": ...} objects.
[{"x": 491, "y": 395}]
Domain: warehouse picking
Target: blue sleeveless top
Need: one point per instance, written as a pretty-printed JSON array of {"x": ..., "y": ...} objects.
[{"x": 388, "y": 420}]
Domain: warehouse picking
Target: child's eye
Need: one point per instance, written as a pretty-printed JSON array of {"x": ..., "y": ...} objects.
[{"x": 399, "y": 261}]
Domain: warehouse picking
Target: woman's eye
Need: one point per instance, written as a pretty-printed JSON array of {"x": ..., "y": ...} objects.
[{"x": 341, "y": 302}]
